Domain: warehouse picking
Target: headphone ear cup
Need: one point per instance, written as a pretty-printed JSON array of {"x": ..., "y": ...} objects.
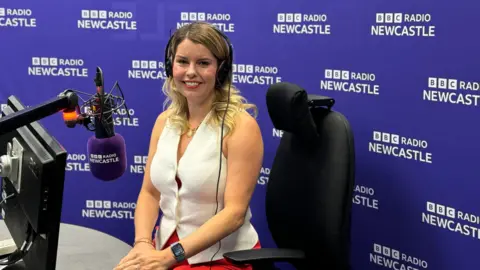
[
  {"x": 222, "y": 74},
  {"x": 168, "y": 68}
]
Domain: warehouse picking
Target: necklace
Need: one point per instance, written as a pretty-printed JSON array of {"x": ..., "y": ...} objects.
[{"x": 191, "y": 131}]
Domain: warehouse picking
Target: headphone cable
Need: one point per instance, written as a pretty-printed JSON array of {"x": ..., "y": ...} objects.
[{"x": 220, "y": 165}]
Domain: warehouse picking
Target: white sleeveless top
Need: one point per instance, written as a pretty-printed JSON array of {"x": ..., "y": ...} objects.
[{"x": 187, "y": 209}]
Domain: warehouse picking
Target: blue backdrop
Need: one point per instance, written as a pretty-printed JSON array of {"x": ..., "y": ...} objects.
[{"x": 403, "y": 72}]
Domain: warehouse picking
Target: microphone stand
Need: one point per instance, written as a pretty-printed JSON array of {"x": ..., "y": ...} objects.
[{"x": 67, "y": 100}]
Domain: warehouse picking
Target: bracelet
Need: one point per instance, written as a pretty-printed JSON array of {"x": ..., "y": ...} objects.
[{"x": 144, "y": 240}]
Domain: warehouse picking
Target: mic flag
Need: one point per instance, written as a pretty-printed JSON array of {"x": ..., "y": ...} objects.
[{"x": 107, "y": 157}]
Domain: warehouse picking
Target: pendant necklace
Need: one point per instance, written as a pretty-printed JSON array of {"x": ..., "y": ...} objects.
[{"x": 191, "y": 131}]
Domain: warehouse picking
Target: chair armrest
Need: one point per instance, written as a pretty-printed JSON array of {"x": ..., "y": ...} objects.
[{"x": 264, "y": 256}]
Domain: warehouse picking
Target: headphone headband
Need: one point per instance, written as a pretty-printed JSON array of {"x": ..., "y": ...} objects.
[{"x": 225, "y": 67}]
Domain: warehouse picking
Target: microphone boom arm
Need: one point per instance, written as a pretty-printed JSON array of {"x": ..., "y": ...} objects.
[
  {"x": 96, "y": 113},
  {"x": 67, "y": 100}
]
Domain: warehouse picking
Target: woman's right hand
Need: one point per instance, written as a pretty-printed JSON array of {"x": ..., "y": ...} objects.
[{"x": 138, "y": 248}]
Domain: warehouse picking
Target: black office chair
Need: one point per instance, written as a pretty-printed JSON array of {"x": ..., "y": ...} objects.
[{"x": 309, "y": 192}]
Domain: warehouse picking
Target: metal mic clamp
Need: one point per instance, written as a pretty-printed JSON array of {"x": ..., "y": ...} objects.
[
  {"x": 86, "y": 121},
  {"x": 72, "y": 99}
]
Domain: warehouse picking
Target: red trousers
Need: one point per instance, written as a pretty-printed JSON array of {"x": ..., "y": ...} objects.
[{"x": 215, "y": 265}]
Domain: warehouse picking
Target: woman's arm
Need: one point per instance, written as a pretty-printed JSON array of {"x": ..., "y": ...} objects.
[
  {"x": 146, "y": 212},
  {"x": 245, "y": 155}
]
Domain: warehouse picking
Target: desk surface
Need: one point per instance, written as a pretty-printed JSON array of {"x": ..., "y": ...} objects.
[{"x": 81, "y": 248}]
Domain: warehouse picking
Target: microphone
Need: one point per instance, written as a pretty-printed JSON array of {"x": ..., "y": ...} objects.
[{"x": 106, "y": 149}]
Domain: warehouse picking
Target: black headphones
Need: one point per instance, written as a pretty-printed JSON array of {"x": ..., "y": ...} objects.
[{"x": 224, "y": 69}]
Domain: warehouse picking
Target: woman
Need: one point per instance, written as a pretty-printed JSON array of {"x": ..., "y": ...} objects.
[{"x": 205, "y": 214}]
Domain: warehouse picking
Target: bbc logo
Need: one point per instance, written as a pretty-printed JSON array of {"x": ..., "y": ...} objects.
[
  {"x": 441, "y": 210},
  {"x": 145, "y": 64},
  {"x": 442, "y": 83},
  {"x": 94, "y": 14},
  {"x": 386, "y": 137},
  {"x": 44, "y": 61},
  {"x": 140, "y": 159},
  {"x": 386, "y": 251},
  {"x": 389, "y": 17},
  {"x": 241, "y": 68},
  {"x": 192, "y": 16},
  {"x": 289, "y": 17},
  {"x": 337, "y": 74},
  {"x": 98, "y": 204}
]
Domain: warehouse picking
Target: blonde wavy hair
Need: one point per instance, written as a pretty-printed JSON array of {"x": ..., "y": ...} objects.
[{"x": 205, "y": 34}]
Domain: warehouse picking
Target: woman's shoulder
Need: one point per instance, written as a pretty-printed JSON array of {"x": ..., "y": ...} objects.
[
  {"x": 242, "y": 117},
  {"x": 245, "y": 125},
  {"x": 246, "y": 137},
  {"x": 163, "y": 116},
  {"x": 161, "y": 121}
]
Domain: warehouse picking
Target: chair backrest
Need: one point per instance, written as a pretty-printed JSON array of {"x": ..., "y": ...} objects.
[{"x": 309, "y": 192}]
